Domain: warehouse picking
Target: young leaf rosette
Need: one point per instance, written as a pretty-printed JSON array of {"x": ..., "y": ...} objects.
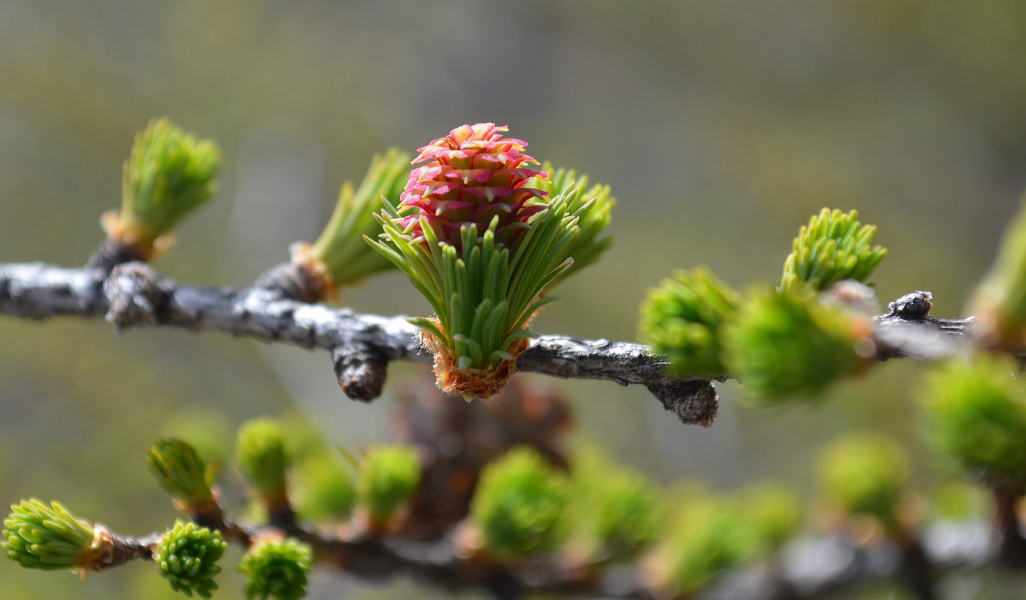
[{"x": 482, "y": 246}]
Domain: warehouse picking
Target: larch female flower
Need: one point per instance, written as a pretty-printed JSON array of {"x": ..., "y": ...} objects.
[
  {"x": 483, "y": 241},
  {"x": 472, "y": 175}
]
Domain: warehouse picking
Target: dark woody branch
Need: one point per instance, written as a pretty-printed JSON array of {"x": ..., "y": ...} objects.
[{"x": 361, "y": 345}]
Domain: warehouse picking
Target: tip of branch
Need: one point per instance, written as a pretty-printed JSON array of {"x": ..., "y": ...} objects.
[{"x": 361, "y": 371}]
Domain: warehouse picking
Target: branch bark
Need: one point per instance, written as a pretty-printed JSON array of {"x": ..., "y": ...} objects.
[{"x": 361, "y": 345}]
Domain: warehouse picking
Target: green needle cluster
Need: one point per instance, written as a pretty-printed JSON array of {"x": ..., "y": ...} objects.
[
  {"x": 388, "y": 478},
  {"x": 340, "y": 248},
  {"x": 260, "y": 453},
  {"x": 183, "y": 473},
  {"x": 615, "y": 510},
  {"x": 168, "y": 174},
  {"x": 38, "y": 536},
  {"x": 863, "y": 474},
  {"x": 277, "y": 569},
  {"x": 485, "y": 295},
  {"x": 325, "y": 488},
  {"x": 520, "y": 505},
  {"x": 682, "y": 318},
  {"x": 834, "y": 246},
  {"x": 773, "y": 511},
  {"x": 710, "y": 536},
  {"x": 976, "y": 414},
  {"x": 784, "y": 345},
  {"x": 594, "y": 206},
  {"x": 187, "y": 557}
]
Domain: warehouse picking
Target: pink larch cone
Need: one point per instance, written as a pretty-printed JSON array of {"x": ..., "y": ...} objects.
[{"x": 468, "y": 177}]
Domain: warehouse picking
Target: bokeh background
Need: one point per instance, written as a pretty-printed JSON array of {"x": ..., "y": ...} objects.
[{"x": 722, "y": 126}]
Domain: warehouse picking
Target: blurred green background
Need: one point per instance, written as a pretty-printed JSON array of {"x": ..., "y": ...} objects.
[{"x": 722, "y": 126}]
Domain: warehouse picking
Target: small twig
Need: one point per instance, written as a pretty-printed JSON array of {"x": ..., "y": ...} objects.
[{"x": 124, "y": 549}]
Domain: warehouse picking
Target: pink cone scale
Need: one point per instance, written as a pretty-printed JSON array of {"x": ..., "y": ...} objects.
[{"x": 472, "y": 175}]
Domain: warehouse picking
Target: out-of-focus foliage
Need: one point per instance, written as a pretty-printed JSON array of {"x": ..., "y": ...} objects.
[
  {"x": 682, "y": 318},
  {"x": 976, "y": 414},
  {"x": 773, "y": 510},
  {"x": 785, "y": 345},
  {"x": 260, "y": 452},
  {"x": 277, "y": 569},
  {"x": 324, "y": 488},
  {"x": 999, "y": 303},
  {"x": 709, "y": 536},
  {"x": 864, "y": 474},
  {"x": 520, "y": 504},
  {"x": 388, "y": 478},
  {"x": 615, "y": 510},
  {"x": 958, "y": 500}
]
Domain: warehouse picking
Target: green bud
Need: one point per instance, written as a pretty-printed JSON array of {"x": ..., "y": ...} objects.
[
  {"x": 187, "y": 557},
  {"x": 388, "y": 478},
  {"x": 786, "y": 344},
  {"x": 681, "y": 320},
  {"x": 864, "y": 475},
  {"x": 594, "y": 207},
  {"x": 832, "y": 247},
  {"x": 616, "y": 510},
  {"x": 773, "y": 511},
  {"x": 710, "y": 536},
  {"x": 260, "y": 452},
  {"x": 38, "y": 536},
  {"x": 520, "y": 505},
  {"x": 183, "y": 474},
  {"x": 325, "y": 489},
  {"x": 277, "y": 569},
  {"x": 976, "y": 414},
  {"x": 168, "y": 174},
  {"x": 340, "y": 250},
  {"x": 999, "y": 303}
]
